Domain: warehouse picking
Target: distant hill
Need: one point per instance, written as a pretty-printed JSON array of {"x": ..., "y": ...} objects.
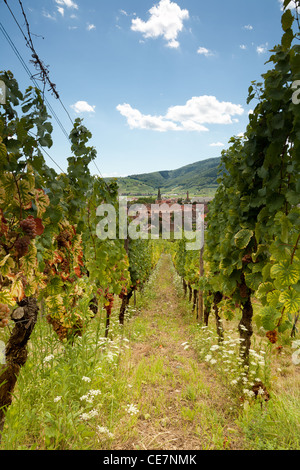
[{"x": 199, "y": 178}]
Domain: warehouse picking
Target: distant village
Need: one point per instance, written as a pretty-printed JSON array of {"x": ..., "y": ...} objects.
[
  {"x": 160, "y": 199},
  {"x": 175, "y": 205}
]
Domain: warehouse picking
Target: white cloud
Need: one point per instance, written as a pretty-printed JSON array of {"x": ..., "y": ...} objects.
[
  {"x": 190, "y": 125},
  {"x": 249, "y": 27},
  {"x": 83, "y": 107},
  {"x": 205, "y": 110},
  {"x": 262, "y": 49},
  {"x": 137, "y": 120},
  {"x": 243, "y": 47},
  {"x": 205, "y": 52},
  {"x": 190, "y": 117},
  {"x": 48, "y": 16},
  {"x": 166, "y": 19},
  {"x": 67, "y": 3},
  {"x": 90, "y": 27},
  {"x": 217, "y": 144},
  {"x": 173, "y": 44},
  {"x": 61, "y": 11}
]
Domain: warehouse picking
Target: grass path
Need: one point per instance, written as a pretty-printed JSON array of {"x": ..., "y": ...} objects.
[{"x": 181, "y": 405}]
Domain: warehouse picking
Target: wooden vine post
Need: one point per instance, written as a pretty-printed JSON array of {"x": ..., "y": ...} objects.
[
  {"x": 201, "y": 270},
  {"x": 200, "y": 293}
]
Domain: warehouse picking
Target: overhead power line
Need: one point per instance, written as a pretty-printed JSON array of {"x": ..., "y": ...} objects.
[
  {"x": 43, "y": 70},
  {"x": 44, "y": 74},
  {"x": 14, "y": 48}
]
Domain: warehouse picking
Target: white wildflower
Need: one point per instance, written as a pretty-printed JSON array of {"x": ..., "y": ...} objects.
[
  {"x": 110, "y": 356},
  {"x": 94, "y": 393},
  {"x": 48, "y": 358},
  {"x": 89, "y": 398},
  {"x": 104, "y": 430},
  {"x": 84, "y": 397},
  {"x": 87, "y": 416},
  {"x": 56, "y": 399},
  {"x": 86, "y": 379},
  {"x": 132, "y": 409}
]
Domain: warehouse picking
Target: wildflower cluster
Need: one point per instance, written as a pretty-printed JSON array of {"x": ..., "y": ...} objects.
[
  {"x": 89, "y": 397},
  {"x": 132, "y": 409},
  {"x": 225, "y": 357},
  {"x": 103, "y": 431},
  {"x": 87, "y": 416}
]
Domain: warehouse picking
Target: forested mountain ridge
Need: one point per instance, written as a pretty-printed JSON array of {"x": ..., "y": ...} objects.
[{"x": 199, "y": 178}]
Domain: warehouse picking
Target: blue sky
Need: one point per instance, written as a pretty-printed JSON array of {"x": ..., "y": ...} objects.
[{"x": 160, "y": 84}]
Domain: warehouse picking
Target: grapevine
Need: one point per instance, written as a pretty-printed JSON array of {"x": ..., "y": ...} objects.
[{"x": 252, "y": 246}]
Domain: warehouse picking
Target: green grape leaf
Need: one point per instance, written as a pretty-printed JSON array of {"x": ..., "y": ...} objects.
[
  {"x": 264, "y": 289},
  {"x": 269, "y": 317},
  {"x": 266, "y": 272},
  {"x": 285, "y": 273},
  {"x": 273, "y": 298},
  {"x": 3, "y": 151},
  {"x": 287, "y": 39},
  {"x": 253, "y": 280},
  {"x": 287, "y": 20},
  {"x": 291, "y": 300},
  {"x": 242, "y": 238},
  {"x": 261, "y": 249}
]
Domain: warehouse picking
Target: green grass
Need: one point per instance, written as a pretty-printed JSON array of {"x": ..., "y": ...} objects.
[
  {"x": 77, "y": 396},
  {"x": 273, "y": 427}
]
